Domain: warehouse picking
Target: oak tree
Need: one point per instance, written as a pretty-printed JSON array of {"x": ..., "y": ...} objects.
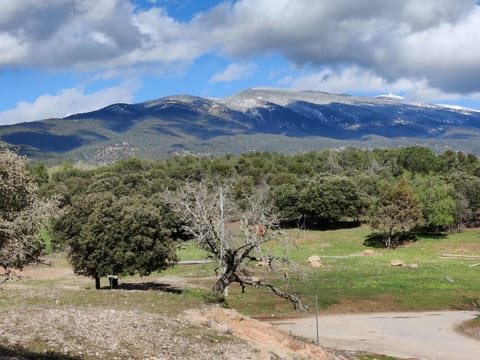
[
  {"x": 396, "y": 213},
  {"x": 106, "y": 235},
  {"x": 21, "y": 214}
]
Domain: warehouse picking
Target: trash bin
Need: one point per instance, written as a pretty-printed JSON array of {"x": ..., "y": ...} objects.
[{"x": 113, "y": 280}]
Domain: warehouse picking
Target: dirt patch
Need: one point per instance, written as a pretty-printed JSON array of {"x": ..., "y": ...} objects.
[
  {"x": 470, "y": 328},
  {"x": 466, "y": 249},
  {"x": 208, "y": 333},
  {"x": 40, "y": 272},
  {"x": 346, "y": 306},
  {"x": 48, "y": 322},
  {"x": 115, "y": 334},
  {"x": 271, "y": 342}
]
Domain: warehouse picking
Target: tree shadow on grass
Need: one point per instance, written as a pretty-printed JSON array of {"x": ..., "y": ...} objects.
[
  {"x": 150, "y": 286},
  {"x": 374, "y": 240},
  {"x": 319, "y": 224},
  {"x": 18, "y": 352},
  {"x": 433, "y": 235}
]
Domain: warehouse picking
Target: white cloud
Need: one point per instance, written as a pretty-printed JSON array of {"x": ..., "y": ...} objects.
[
  {"x": 234, "y": 71},
  {"x": 11, "y": 49},
  {"x": 355, "y": 79},
  {"x": 350, "y": 79},
  {"x": 67, "y": 102},
  {"x": 428, "y": 41},
  {"x": 91, "y": 35},
  {"x": 434, "y": 40}
]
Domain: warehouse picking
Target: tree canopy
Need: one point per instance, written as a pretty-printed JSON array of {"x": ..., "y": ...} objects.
[
  {"x": 110, "y": 235},
  {"x": 21, "y": 214},
  {"x": 436, "y": 198},
  {"x": 396, "y": 212},
  {"x": 322, "y": 188}
]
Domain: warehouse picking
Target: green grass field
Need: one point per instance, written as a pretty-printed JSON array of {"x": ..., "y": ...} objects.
[{"x": 348, "y": 281}]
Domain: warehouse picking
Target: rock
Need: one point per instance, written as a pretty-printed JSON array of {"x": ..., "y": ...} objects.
[
  {"x": 256, "y": 279},
  {"x": 314, "y": 261},
  {"x": 272, "y": 356},
  {"x": 413, "y": 266},
  {"x": 449, "y": 279},
  {"x": 368, "y": 252},
  {"x": 396, "y": 263}
]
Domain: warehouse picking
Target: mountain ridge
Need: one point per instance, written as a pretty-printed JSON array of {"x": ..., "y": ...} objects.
[{"x": 257, "y": 119}]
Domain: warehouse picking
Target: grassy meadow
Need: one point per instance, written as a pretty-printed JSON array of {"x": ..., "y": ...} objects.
[
  {"x": 350, "y": 281},
  {"x": 347, "y": 281}
]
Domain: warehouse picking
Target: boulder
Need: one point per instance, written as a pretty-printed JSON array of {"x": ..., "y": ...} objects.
[
  {"x": 396, "y": 263},
  {"x": 315, "y": 261}
]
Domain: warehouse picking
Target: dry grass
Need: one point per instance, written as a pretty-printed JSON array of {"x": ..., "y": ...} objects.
[{"x": 52, "y": 314}]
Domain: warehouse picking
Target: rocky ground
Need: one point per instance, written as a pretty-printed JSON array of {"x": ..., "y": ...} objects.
[
  {"x": 41, "y": 324},
  {"x": 208, "y": 333}
]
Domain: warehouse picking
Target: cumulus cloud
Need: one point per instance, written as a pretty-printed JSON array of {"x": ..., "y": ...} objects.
[
  {"x": 432, "y": 42},
  {"x": 92, "y": 34},
  {"x": 431, "y": 39},
  {"x": 350, "y": 79},
  {"x": 234, "y": 71},
  {"x": 357, "y": 80},
  {"x": 67, "y": 102}
]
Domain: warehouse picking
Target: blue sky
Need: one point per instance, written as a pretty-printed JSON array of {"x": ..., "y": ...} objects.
[{"x": 59, "y": 57}]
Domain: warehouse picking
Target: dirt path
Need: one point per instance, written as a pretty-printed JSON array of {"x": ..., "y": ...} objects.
[{"x": 425, "y": 335}]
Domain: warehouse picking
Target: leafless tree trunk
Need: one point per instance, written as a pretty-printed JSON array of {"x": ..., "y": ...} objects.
[{"x": 206, "y": 212}]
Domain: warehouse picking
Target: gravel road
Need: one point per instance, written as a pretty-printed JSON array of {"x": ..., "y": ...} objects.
[{"x": 423, "y": 335}]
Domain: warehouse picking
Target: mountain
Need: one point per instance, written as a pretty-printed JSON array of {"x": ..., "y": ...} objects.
[{"x": 252, "y": 120}]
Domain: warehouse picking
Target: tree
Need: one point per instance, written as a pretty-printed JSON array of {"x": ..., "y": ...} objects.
[
  {"x": 437, "y": 201},
  {"x": 396, "y": 213},
  {"x": 21, "y": 214},
  {"x": 39, "y": 173},
  {"x": 205, "y": 213},
  {"x": 108, "y": 235},
  {"x": 418, "y": 159},
  {"x": 330, "y": 198},
  {"x": 286, "y": 199},
  {"x": 467, "y": 188}
]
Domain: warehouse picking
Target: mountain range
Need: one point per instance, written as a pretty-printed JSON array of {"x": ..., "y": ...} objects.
[{"x": 258, "y": 119}]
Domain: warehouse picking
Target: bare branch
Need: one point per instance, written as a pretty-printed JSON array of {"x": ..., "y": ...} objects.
[
  {"x": 206, "y": 213},
  {"x": 297, "y": 303}
]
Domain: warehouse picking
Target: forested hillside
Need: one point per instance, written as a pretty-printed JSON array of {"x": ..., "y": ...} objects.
[{"x": 318, "y": 189}]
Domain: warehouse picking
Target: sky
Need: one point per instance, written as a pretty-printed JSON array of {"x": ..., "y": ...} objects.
[{"x": 59, "y": 57}]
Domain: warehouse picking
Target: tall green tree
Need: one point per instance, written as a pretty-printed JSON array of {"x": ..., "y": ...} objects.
[
  {"x": 330, "y": 198},
  {"x": 418, "y": 159},
  {"x": 39, "y": 173},
  {"x": 109, "y": 235},
  {"x": 437, "y": 201},
  {"x": 21, "y": 214},
  {"x": 396, "y": 213},
  {"x": 286, "y": 198},
  {"x": 467, "y": 190}
]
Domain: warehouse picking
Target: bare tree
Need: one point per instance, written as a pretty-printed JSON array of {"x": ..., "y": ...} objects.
[{"x": 209, "y": 215}]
